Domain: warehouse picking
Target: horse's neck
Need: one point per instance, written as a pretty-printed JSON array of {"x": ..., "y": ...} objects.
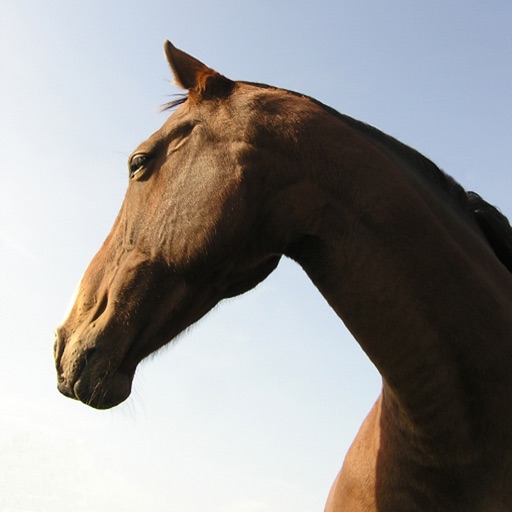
[{"x": 418, "y": 288}]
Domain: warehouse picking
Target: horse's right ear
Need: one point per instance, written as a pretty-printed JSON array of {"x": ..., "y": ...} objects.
[{"x": 201, "y": 81}]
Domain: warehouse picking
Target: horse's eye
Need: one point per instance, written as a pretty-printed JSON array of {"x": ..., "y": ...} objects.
[{"x": 137, "y": 164}]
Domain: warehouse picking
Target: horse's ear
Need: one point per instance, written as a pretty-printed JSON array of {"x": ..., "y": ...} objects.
[{"x": 201, "y": 81}]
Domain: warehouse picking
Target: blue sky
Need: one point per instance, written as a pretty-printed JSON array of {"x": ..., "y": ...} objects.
[{"x": 253, "y": 409}]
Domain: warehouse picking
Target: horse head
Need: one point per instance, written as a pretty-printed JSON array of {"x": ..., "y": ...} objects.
[{"x": 195, "y": 227}]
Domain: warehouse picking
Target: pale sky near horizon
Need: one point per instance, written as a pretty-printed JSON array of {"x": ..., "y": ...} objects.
[{"x": 253, "y": 409}]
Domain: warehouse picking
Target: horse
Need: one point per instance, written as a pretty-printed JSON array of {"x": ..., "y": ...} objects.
[{"x": 242, "y": 174}]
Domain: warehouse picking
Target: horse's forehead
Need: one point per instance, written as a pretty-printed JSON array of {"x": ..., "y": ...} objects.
[{"x": 229, "y": 116}]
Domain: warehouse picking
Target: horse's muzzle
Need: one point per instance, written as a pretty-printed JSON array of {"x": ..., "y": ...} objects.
[{"x": 87, "y": 375}]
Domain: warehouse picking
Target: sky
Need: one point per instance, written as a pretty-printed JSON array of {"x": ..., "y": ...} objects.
[{"x": 253, "y": 409}]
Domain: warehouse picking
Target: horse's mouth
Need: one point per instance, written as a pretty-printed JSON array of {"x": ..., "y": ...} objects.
[
  {"x": 96, "y": 381},
  {"x": 97, "y": 392}
]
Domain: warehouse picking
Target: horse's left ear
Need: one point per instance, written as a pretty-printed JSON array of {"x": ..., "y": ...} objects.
[{"x": 201, "y": 81}]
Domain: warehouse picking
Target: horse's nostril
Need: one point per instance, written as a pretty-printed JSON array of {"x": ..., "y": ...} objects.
[{"x": 64, "y": 388}]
